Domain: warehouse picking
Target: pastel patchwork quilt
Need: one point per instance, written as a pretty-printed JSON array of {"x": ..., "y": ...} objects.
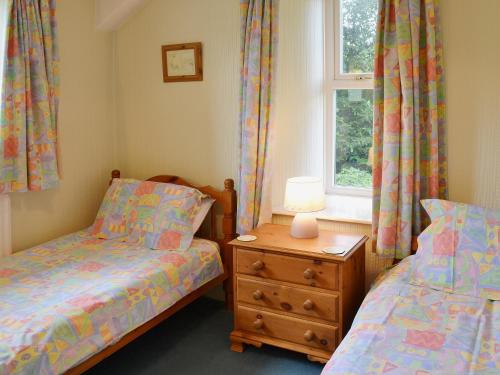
[
  {"x": 410, "y": 329},
  {"x": 460, "y": 251},
  {"x": 63, "y": 301},
  {"x": 163, "y": 215}
]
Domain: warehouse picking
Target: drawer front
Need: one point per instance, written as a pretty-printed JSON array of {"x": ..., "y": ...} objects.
[
  {"x": 288, "y": 268},
  {"x": 284, "y": 298},
  {"x": 283, "y": 327}
]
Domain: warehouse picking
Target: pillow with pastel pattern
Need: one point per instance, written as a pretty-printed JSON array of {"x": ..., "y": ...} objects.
[
  {"x": 111, "y": 220},
  {"x": 459, "y": 252},
  {"x": 162, "y": 218}
]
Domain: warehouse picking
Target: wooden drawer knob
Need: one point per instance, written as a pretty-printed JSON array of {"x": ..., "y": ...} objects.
[
  {"x": 309, "y": 335},
  {"x": 308, "y": 304},
  {"x": 258, "y": 324},
  {"x": 257, "y": 295},
  {"x": 309, "y": 273},
  {"x": 258, "y": 265}
]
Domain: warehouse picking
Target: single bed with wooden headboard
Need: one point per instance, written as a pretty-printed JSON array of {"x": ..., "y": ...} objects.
[
  {"x": 225, "y": 201},
  {"x": 71, "y": 302}
]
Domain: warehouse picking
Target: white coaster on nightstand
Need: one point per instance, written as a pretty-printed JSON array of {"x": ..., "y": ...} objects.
[
  {"x": 335, "y": 250},
  {"x": 246, "y": 238}
]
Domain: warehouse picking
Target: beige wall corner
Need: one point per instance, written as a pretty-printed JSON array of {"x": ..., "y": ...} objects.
[{"x": 471, "y": 32}]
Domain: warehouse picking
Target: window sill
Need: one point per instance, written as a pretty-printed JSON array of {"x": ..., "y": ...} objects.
[{"x": 343, "y": 208}]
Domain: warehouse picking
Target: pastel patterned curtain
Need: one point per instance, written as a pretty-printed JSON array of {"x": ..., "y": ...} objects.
[
  {"x": 259, "y": 47},
  {"x": 28, "y": 141},
  {"x": 409, "y": 122}
]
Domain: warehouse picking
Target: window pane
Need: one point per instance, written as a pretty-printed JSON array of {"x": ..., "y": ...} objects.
[
  {"x": 353, "y": 137},
  {"x": 358, "y": 27}
]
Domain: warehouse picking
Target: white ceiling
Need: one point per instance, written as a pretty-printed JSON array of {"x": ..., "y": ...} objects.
[{"x": 111, "y": 14}]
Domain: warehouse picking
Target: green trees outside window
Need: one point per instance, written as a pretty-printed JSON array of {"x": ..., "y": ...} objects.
[{"x": 354, "y": 107}]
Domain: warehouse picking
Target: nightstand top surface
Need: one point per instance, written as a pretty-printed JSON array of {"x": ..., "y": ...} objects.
[{"x": 277, "y": 237}]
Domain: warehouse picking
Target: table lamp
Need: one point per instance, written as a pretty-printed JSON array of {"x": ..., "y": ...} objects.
[{"x": 304, "y": 195}]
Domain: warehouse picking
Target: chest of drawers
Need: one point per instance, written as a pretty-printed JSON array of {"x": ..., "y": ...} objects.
[{"x": 290, "y": 294}]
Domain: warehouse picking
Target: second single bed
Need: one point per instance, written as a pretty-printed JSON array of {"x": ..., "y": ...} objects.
[
  {"x": 436, "y": 312},
  {"x": 407, "y": 329}
]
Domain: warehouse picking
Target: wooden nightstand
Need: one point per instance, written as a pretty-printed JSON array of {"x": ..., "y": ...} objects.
[{"x": 290, "y": 294}]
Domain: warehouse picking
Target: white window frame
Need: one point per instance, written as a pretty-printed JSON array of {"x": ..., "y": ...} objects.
[{"x": 336, "y": 80}]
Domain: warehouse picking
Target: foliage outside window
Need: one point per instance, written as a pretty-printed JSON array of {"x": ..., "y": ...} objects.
[{"x": 350, "y": 38}]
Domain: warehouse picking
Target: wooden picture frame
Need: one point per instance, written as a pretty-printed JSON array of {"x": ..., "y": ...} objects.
[{"x": 182, "y": 62}]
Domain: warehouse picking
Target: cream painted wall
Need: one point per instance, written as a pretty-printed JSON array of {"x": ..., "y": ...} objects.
[
  {"x": 85, "y": 133},
  {"x": 111, "y": 14},
  {"x": 188, "y": 128},
  {"x": 157, "y": 120},
  {"x": 471, "y": 34},
  {"x": 298, "y": 141},
  {"x": 191, "y": 129}
]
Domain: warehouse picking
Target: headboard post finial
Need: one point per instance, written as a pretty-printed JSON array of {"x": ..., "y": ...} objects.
[
  {"x": 115, "y": 173},
  {"x": 229, "y": 184}
]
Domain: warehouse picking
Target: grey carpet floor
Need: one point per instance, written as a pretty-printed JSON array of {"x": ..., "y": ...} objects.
[{"x": 196, "y": 341}]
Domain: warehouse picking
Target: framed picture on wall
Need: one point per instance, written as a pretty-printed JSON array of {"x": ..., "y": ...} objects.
[{"x": 182, "y": 62}]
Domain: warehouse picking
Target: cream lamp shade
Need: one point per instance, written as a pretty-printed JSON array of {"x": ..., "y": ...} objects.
[{"x": 304, "y": 195}]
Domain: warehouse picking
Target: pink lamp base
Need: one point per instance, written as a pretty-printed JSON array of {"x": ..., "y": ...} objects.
[{"x": 304, "y": 225}]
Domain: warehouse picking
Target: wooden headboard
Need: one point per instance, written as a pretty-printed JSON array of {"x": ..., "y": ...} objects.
[{"x": 225, "y": 199}]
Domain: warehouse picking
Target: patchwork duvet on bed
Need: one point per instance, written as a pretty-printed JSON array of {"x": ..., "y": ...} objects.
[
  {"x": 63, "y": 301},
  {"x": 407, "y": 329}
]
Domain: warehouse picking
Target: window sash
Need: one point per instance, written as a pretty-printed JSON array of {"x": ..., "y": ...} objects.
[
  {"x": 336, "y": 80},
  {"x": 330, "y": 148},
  {"x": 338, "y": 47}
]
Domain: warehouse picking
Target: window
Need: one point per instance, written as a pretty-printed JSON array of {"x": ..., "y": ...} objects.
[{"x": 349, "y": 38}]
